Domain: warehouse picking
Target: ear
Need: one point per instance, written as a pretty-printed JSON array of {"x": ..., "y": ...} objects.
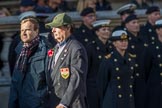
[
  {"x": 37, "y": 31},
  {"x": 68, "y": 27}
]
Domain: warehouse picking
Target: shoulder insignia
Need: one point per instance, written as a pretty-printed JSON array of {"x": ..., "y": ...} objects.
[
  {"x": 108, "y": 56},
  {"x": 132, "y": 55}
]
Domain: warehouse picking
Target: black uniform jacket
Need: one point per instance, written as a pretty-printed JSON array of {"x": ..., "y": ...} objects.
[
  {"x": 137, "y": 46},
  {"x": 116, "y": 81},
  {"x": 84, "y": 35},
  {"x": 96, "y": 51},
  {"x": 148, "y": 32},
  {"x": 153, "y": 66}
]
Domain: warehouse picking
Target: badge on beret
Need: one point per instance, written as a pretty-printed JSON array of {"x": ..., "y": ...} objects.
[{"x": 65, "y": 72}]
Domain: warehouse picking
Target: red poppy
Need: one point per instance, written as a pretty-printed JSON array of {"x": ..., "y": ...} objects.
[{"x": 50, "y": 52}]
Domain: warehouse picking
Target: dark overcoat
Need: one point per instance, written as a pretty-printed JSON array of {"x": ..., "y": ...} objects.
[
  {"x": 116, "y": 81},
  {"x": 84, "y": 35},
  {"x": 96, "y": 51},
  {"x": 153, "y": 66},
  {"x": 137, "y": 46},
  {"x": 148, "y": 32}
]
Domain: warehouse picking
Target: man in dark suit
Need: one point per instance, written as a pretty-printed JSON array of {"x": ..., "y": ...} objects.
[{"x": 67, "y": 65}]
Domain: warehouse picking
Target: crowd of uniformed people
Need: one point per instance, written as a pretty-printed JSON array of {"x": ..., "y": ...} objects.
[{"x": 95, "y": 66}]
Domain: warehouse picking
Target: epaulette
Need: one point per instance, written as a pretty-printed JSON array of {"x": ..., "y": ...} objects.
[
  {"x": 133, "y": 55},
  {"x": 108, "y": 56}
]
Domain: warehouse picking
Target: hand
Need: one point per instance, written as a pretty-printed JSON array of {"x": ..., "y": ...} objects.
[{"x": 60, "y": 106}]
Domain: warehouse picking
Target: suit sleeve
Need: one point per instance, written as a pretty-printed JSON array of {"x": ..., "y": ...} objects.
[{"x": 77, "y": 81}]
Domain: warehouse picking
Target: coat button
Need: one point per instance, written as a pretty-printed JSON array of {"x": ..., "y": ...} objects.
[
  {"x": 152, "y": 42},
  {"x": 153, "y": 38},
  {"x": 132, "y": 46},
  {"x": 119, "y": 86},
  {"x": 145, "y": 44},
  {"x": 118, "y": 78},
  {"x": 131, "y": 77},
  {"x": 117, "y": 69},
  {"x": 161, "y": 74},
  {"x": 132, "y": 67},
  {"x": 137, "y": 74},
  {"x": 97, "y": 48},
  {"x": 136, "y": 65},
  {"x": 120, "y": 96},
  {"x": 130, "y": 86},
  {"x": 157, "y": 47},
  {"x": 86, "y": 40},
  {"x": 130, "y": 95},
  {"x": 93, "y": 41},
  {"x": 99, "y": 56},
  {"x": 115, "y": 60},
  {"x": 129, "y": 59},
  {"x": 159, "y": 56}
]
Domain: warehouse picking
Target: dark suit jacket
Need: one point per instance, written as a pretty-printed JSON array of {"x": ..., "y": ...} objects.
[{"x": 69, "y": 76}]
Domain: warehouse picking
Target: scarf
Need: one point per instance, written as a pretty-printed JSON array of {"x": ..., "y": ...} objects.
[{"x": 26, "y": 52}]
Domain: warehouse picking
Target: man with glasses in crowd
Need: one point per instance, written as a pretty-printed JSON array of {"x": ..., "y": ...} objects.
[{"x": 84, "y": 33}]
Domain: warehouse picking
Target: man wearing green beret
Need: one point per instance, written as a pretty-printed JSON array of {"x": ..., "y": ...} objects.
[{"x": 67, "y": 66}]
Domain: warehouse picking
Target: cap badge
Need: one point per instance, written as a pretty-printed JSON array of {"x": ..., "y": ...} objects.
[{"x": 123, "y": 36}]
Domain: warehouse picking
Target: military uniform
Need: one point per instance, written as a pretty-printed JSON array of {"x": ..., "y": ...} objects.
[
  {"x": 84, "y": 35},
  {"x": 153, "y": 66},
  {"x": 137, "y": 46},
  {"x": 149, "y": 33},
  {"x": 148, "y": 30},
  {"x": 96, "y": 51},
  {"x": 116, "y": 81}
]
